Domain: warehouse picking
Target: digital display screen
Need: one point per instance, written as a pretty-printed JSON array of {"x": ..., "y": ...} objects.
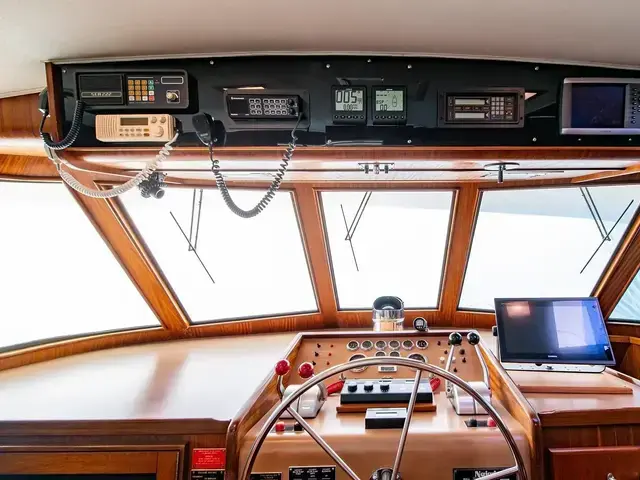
[
  {"x": 597, "y": 106},
  {"x": 389, "y": 101},
  {"x": 348, "y": 100},
  {"x": 128, "y": 121},
  {"x": 470, "y": 102},
  {"x": 546, "y": 330}
]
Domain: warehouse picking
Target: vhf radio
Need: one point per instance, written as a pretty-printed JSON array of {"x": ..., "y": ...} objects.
[{"x": 141, "y": 90}]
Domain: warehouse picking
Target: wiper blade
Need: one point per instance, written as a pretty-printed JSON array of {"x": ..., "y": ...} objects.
[{"x": 191, "y": 247}]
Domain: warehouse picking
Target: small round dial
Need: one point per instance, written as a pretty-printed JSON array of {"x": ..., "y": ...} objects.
[
  {"x": 366, "y": 345},
  {"x": 422, "y": 344},
  {"x": 394, "y": 345},
  {"x": 353, "y": 358},
  {"x": 418, "y": 356},
  {"x": 407, "y": 344},
  {"x": 352, "y": 345},
  {"x": 381, "y": 345},
  {"x": 380, "y": 354},
  {"x": 395, "y": 353}
]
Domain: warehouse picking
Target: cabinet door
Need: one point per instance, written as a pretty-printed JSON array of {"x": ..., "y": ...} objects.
[
  {"x": 623, "y": 463},
  {"x": 127, "y": 465}
]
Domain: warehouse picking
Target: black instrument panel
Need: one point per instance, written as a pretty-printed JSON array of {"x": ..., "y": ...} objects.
[{"x": 403, "y": 93}]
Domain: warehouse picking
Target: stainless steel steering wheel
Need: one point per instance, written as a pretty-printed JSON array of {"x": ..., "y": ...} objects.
[{"x": 420, "y": 367}]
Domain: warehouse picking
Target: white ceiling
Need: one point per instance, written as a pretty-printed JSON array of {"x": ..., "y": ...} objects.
[{"x": 572, "y": 31}]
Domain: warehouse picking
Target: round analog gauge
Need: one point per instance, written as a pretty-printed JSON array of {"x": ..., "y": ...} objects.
[
  {"x": 422, "y": 344},
  {"x": 407, "y": 344},
  {"x": 395, "y": 353},
  {"x": 352, "y": 345},
  {"x": 418, "y": 356},
  {"x": 353, "y": 358},
  {"x": 380, "y": 354},
  {"x": 381, "y": 345},
  {"x": 394, "y": 345},
  {"x": 367, "y": 345}
]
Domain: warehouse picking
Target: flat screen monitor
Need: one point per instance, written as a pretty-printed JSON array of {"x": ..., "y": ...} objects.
[{"x": 552, "y": 330}]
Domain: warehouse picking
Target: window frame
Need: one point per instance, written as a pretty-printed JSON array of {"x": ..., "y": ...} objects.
[
  {"x": 621, "y": 244},
  {"x": 165, "y": 280},
  {"x": 455, "y": 193},
  {"x": 43, "y": 342}
]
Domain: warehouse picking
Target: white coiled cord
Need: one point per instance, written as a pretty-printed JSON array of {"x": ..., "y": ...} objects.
[{"x": 151, "y": 167}]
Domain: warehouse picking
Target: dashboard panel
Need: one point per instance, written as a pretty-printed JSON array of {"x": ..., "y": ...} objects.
[{"x": 432, "y": 347}]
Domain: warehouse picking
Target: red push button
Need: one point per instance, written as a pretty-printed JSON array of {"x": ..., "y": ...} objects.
[
  {"x": 491, "y": 422},
  {"x": 280, "y": 427}
]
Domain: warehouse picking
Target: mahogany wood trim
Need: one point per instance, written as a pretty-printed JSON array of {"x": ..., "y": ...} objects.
[
  {"x": 610, "y": 174},
  {"x": 256, "y": 407},
  {"x": 190, "y": 426},
  {"x": 579, "y": 418},
  {"x": 168, "y": 466},
  {"x": 78, "y": 462},
  {"x": 108, "y": 155},
  {"x": 26, "y": 166},
  {"x": 19, "y": 124},
  {"x": 621, "y": 270},
  {"x": 56, "y": 100},
  {"x": 464, "y": 213},
  {"x": 507, "y": 392},
  {"x": 117, "y": 234},
  {"x": 312, "y": 231}
]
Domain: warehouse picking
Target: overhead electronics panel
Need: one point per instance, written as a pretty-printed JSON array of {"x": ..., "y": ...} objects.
[{"x": 350, "y": 100}]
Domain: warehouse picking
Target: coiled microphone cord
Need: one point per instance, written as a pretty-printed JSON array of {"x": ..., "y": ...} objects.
[
  {"x": 120, "y": 189},
  {"x": 271, "y": 191},
  {"x": 71, "y": 137}
]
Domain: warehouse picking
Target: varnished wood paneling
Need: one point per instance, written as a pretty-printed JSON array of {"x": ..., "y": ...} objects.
[
  {"x": 24, "y": 166},
  {"x": 56, "y": 100},
  {"x": 19, "y": 123},
  {"x": 595, "y": 463},
  {"x": 74, "y": 462},
  {"x": 516, "y": 404},
  {"x": 317, "y": 253},
  {"x": 371, "y": 154},
  {"x": 462, "y": 226},
  {"x": 256, "y": 407}
]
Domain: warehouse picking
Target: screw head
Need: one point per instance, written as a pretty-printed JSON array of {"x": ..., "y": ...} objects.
[
  {"x": 328, "y": 65},
  {"x": 409, "y": 141},
  {"x": 329, "y": 142},
  {"x": 534, "y": 139},
  {"x": 537, "y": 68},
  {"x": 409, "y": 66},
  {"x": 368, "y": 60},
  {"x": 211, "y": 62}
]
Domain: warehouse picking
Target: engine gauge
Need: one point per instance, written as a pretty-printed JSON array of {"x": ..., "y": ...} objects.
[
  {"x": 422, "y": 344},
  {"x": 352, "y": 345},
  {"x": 380, "y": 354},
  {"x": 394, "y": 345},
  {"x": 395, "y": 353},
  {"x": 381, "y": 345},
  {"x": 407, "y": 344},
  {"x": 366, "y": 345},
  {"x": 419, "y": 357},
  {"x": 353, "y": 358}
]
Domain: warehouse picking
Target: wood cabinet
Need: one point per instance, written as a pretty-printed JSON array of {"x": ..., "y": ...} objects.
[
  {"x": 161, "y": 464},
  {"x": 602, "y": 463}
]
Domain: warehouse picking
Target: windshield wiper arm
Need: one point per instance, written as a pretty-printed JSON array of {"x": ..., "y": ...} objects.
[
  {"x": 606, "y": 237},
  {"x": 351, "y": 230},
  {"x": 191, "y": 247}
]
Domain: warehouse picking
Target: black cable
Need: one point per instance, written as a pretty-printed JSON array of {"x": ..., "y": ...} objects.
[
  {"x": 271, "y": 191},
  {"x": 71, "y": 137}
]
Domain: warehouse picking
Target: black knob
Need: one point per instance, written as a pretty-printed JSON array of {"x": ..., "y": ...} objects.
[
  {"x": 455, "y": 338},
  {"x": 439, "y": 342},
  {"x": 472, "y": 422},
  {"x": 384, "y": 387},
  {"x": 368, "y": 387},
  {"x": 352, "y": 386},
  {"x": 464, "y": 360},
  {"x": 473, "y": 338},
  {"x": 461, "y": 351},
  {"x": 297, "y": 427},
  {"x": 494, "y": 331}
]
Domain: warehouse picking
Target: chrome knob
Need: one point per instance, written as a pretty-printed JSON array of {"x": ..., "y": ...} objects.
[{"x": 610, "y": 476}]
